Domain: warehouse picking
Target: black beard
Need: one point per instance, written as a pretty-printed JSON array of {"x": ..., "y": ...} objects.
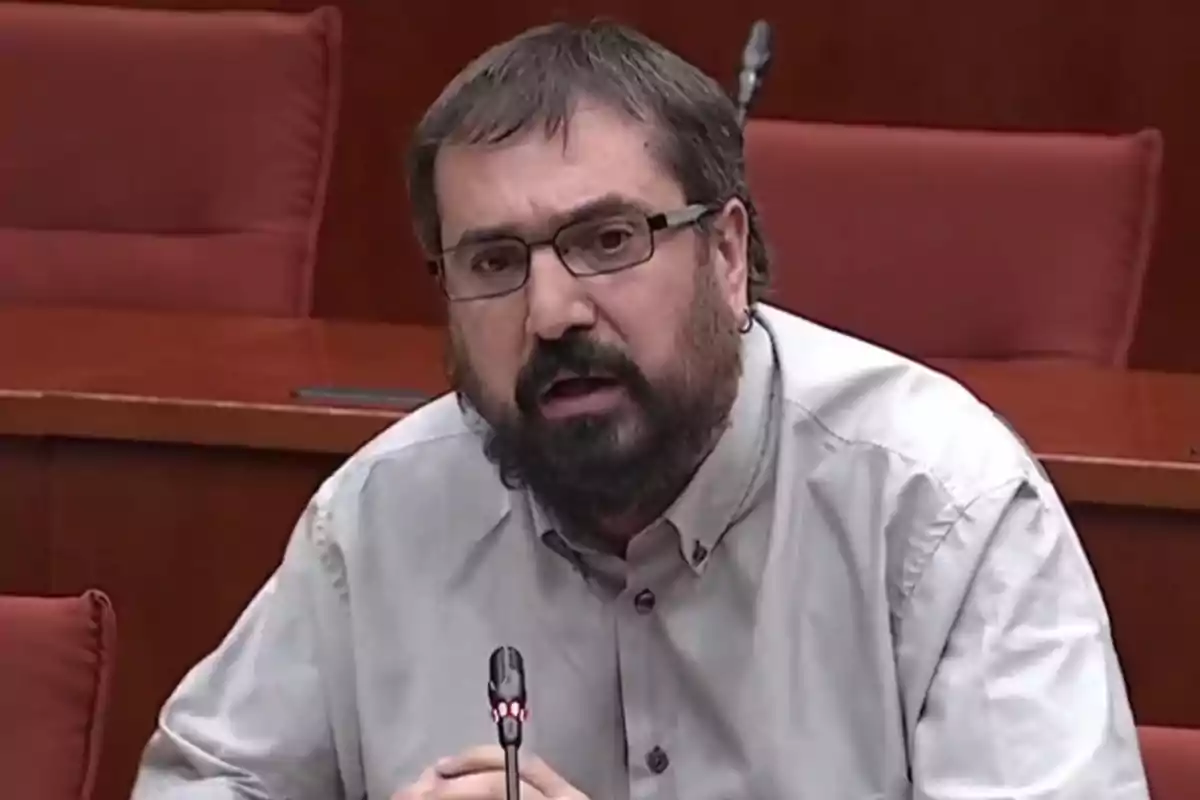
[{"x": 579, "y": 468}]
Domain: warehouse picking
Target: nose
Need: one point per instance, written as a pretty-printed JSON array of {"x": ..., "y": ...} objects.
[{"x": 557, "y": 300}]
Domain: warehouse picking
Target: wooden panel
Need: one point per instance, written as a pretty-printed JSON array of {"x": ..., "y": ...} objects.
[
  {"x": 180, "y": 538},
  {"x": 1104, "y": 65},
  {"x": 1146, "y": 562},
  {"x": 25, "y": 546}
]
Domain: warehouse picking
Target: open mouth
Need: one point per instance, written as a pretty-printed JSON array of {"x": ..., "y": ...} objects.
[{"x": 568, "y": 387}]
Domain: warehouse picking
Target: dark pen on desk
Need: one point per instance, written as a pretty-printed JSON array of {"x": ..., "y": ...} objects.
[{"x": 403, "y": 399}]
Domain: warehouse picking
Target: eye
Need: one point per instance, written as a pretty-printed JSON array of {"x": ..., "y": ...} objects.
[
  {"x": 604, "y": 240},
  {"x": 612, "y": 237},
  {"x": 492, "y": 260}
]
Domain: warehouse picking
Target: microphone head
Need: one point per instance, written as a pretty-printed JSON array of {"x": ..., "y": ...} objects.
[
  {"x": 506, "y": 693},
  {"x": 755, "y": 58},
  {"x": 757, "y": 54}
]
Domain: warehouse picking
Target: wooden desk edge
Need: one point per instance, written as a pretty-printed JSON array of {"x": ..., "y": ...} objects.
[
  {"x": 288, "y": 427},
  {"x": 293, "y": 427},
  {"x": 1168, "y": 485}
]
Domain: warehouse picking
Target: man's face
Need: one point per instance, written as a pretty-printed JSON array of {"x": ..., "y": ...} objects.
[{"x": 590, "y": 383}]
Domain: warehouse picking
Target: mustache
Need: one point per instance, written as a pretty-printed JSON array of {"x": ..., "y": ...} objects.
[{"x": 576, "y": 354}]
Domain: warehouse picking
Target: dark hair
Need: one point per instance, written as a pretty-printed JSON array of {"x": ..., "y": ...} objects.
[{"x": 539, "y": 75}]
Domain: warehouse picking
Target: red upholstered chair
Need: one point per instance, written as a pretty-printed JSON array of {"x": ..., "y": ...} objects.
[
  {"x": 56, "y": 663},
  {"x": 164, "y": 159},
  {"x": 1172, "y": 759},
  {"x": 970, "y": 244}
]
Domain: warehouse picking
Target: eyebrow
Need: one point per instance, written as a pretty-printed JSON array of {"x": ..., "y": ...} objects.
[{"x": 597, "y": 208}]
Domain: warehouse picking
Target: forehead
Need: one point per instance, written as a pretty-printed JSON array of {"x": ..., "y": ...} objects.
[{"x": 530, "y": 178}]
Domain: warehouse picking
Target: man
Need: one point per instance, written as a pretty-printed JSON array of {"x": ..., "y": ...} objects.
[{"x": 743, "y": 556}]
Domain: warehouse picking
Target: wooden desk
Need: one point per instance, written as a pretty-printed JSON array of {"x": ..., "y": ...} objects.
[
  {"x": 181, "y": 379},
  {"x": 1108, "y": 437},
  {"x": 164, "y": 459}
]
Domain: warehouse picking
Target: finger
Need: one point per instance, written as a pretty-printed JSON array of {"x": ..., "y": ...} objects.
[
  {"x": 484, "y": 758},
  {"x": 488, "y": 785},
  {"x": 490, "y": 758}
]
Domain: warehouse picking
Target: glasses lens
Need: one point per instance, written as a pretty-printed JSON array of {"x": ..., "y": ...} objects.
[
  {"x": 605, "y": 245},
  {"x": 485, "y": 269}
]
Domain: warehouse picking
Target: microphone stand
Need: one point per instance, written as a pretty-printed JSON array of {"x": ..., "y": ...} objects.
[
  {"x": 512, "y": 773},
  {"x": 509, "y": 729}
]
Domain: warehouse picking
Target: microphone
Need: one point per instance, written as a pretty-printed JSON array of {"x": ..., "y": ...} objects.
[
  {"x": 506, "y": 696},
  {"x": 756, "y": 57}
]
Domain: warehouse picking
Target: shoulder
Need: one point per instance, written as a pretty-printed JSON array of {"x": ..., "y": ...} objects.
[
  {"x": 423, "y": 475},
  {"x": 895, "y": 455},
  {"x": 864, "y": 402}
]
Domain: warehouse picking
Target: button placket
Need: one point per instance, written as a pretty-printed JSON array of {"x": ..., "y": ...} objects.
[{"x": 639, "y": 633}]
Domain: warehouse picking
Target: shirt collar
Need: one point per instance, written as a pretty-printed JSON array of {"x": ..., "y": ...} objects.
[
  {"x": 724, "y": 483},
  {"x": 726, "y": 480}
]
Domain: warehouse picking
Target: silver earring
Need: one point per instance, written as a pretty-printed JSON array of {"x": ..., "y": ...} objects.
[{"x": 747, "y": 321}]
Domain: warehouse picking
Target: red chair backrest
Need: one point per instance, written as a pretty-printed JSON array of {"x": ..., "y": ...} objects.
[
  {"x": 171, "y": 160},
  {"x": 969, "y": 244},
  {"x": 56, "y": 665}
]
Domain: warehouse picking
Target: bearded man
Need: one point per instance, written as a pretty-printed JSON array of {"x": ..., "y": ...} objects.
[{"x": 744, "y": 556}]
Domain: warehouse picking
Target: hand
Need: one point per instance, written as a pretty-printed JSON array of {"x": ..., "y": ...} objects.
[{"x": 478, "y": 774}]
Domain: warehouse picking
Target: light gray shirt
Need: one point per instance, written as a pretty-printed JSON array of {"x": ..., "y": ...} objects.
[{"x": 868, "y": 592}]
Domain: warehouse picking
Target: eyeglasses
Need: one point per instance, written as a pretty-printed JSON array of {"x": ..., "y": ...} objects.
[{"x": 600, "y": 246}]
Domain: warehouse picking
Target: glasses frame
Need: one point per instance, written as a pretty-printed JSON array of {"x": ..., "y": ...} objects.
[{"x": 657, "y": 223}]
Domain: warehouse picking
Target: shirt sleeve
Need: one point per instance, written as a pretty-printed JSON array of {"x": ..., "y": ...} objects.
[
  {"x": 252, "y": 721},
  {"x": 1023, "y": 696}
]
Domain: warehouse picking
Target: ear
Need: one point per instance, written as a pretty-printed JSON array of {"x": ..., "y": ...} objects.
[{"x": 731, "y": 233}]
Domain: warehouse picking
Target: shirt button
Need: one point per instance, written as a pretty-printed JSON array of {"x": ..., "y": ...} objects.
[
  {"x": 644, "y": 601},
  {"x": 657, "y": 761}
]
